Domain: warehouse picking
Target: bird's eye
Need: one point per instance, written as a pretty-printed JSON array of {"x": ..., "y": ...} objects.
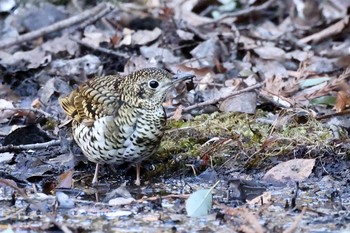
[{"x": 153, "y": 84}]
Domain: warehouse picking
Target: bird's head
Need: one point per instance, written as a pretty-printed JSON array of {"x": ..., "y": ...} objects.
[{"x": 147, "y": 88}]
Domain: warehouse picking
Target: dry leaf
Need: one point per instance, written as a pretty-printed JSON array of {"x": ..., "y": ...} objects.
[
  {"x": 245, "y": 102},
  {"x": 178, "y": 113},
  {"x": 206, "y": 52},
  {"x": 61, "y": 44},
  {"x": 342, "y": 101},
  {"x": 183, "y": 11},
  {"x": 65, "y": 180},
  {"x": 292, "y": 170},
  {"x": 159, "y": 54},
  {"x": 30, "y": 59},
  {"x": 6, "y": 114},
  {"x": 184, "y": 35},
  {"x": 270, "y": 52},
  {"x": 143, "y": 37}
]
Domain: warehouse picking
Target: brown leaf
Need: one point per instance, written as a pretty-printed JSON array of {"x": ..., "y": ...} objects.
[
  {"x": 245, "y": 102},
  {"x": 12, "y": 184},
  {"x": 334, "y": 29},
  {"x": 32, "y": 58},
  {"x": 6, "y": 114},
  {"x": 183, "y": 12},
  {"x": 143, "y": 37},
  {"x": 342, "y": 101},
  {"x": 270, "y": 52},
  {"x": 178, "y": 113},
  {"x": 65, "y": 180},
  {"x": 292, "y": 170}
]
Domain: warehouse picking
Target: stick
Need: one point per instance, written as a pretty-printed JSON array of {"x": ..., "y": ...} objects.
[
  {"x": 214, "y": 101},
  {"x": 54, "y": 27},
  {"x": 96, "y": 17},
  {"x": 295, "y": 224},
  {"x": 34, "y": 110},
  {"x": 243, "y": 12},
  {"x": 101, "y": 49},
  {"x": 10, "y": 148},
  {"x": 332, "y": 30}
]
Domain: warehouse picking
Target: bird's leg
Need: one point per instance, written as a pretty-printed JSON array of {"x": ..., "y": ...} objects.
[
  {"x": 95, "y": 179},
  {"x": 138, "y": 167}
]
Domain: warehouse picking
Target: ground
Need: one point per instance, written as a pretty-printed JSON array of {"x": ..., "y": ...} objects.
[{"x": 257, "y": 142}]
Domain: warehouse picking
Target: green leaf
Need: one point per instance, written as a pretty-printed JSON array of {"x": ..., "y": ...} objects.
[
  {"x": 326, "y": 100},
  {"x": 199, "y": 203},
  {"x": 313, "y": 82}
]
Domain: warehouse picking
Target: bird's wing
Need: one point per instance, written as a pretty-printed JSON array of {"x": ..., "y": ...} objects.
[{"x": 92, "y": 100}]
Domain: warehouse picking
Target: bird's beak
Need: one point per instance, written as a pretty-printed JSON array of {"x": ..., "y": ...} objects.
[
  {"x": 176, "y": 79},
  {"x": 181, "y": 77}
]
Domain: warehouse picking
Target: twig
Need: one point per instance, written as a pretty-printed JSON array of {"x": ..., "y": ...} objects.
[
  {"x": 37, "y": 111},
  {"x": 9, "y": 216},
  {"x": 296, "y": 223},
  {"x": 10, "y": 148},
  {"x": 343, "y": 113},
  {"x": 54, "y": 27},
  {"x": 96, "y": 17},
  {"x": 100, "y": 49},
  {"x": 214, "y": 101},
  {"x": 243, "y": 12},
  {"x": 334, "y": 29}
]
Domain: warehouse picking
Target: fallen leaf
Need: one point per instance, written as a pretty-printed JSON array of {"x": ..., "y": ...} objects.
[
  {"x": 206, "y": 52},
  {"x": 199, "y": 203},
  {"x": 64, "y": 201},
  {"x": 183, "y": 11},
  {"x": 292, "y": 170},
  {"x": 342, "y": 101},
  {"x": 159, "y": 54},
  {"x": 143, "y": 37},
  {"x": 127, "y": 37},
  {"x": 61, "y": 44},
  {"x": 86, "y": 65},
  {"x": 313, "y": 81},
  {"x": 184, "y": 35},
  {"x": 178, "y": 113},
  {"x": 6, "y": 114},
  {"x": 151, "y": 217},
  {"x": 66, "y": 180},
  {"x": 121, "y": 201},
  {"x": 6, "y": 157},
  {"x": 95, "y": 37},
  {"x": 270, "y": 52},
  {"x": 245, "y": 102},
  {"x": 264, "y": 198},
  {"x": 24, "y": 60}
]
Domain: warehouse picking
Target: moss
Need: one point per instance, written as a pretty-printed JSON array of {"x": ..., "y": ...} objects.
[{"x": 237, "y": 140}]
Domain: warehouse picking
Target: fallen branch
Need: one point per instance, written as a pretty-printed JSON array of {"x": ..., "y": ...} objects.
[
  {"x": 214, "y": 101},
  {"x": 101, "y": 49},
  {"x": 296, "y": 223},
  {"x": 34, "y": 110},
  {"x": 243, "y": 12},
  {"x": 11, "y": 148},
  {"x": 86, "y": 15},
  {"x": 96, "y": 17},
  {"x": 332, "y": 30}
]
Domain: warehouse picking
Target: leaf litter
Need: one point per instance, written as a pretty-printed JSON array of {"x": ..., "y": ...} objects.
[{"x": 267, "y": 115}]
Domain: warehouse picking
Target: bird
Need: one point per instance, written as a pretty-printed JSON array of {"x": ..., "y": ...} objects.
[{"x": 120, "y": 119}]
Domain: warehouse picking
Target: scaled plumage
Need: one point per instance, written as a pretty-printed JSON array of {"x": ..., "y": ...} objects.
[{"x": 118, "y": 119}]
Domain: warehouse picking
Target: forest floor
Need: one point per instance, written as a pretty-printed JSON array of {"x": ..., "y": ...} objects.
[{"x": 258, "y": 141}]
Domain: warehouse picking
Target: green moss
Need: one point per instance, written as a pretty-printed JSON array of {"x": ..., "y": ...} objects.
[{"x": 238, "y": 140}]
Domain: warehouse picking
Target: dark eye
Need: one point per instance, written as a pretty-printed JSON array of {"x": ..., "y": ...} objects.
[{"x": 153, "y": 84}]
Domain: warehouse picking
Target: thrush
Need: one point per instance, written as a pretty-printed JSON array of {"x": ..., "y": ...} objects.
[{"x": 120, "y": 119}]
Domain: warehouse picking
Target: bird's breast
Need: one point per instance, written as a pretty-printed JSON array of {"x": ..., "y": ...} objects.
[{"x": 130, "y": 135}]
